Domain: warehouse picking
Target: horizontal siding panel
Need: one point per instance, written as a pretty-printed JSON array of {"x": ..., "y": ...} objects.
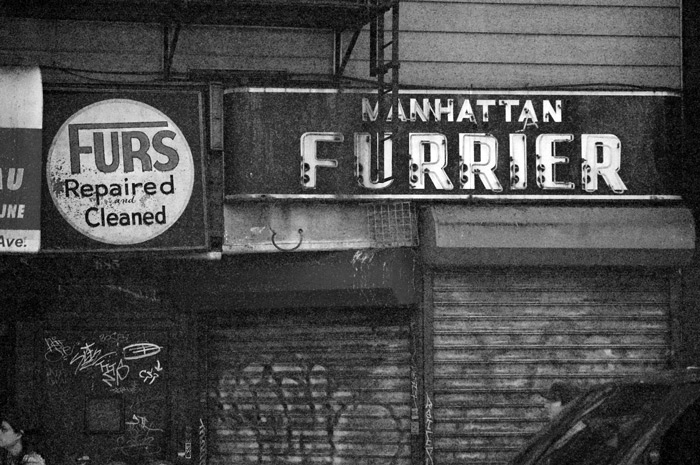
[
  {"x": 514, "y": 399},
  {"x": 511, "y": 441},
  {"x": 92, "y": 37},
  {"x": 99, "y": 65},
  {"x": 545, "y": 297},
  {"x": 343, "y": 391},
  {"x": 129, "y": 66},
  {"x": 384, "y": 452},
  {"x": 453, "y": 376},
  {"x": 505, "y": 356},
  {"x": 349, "y": 344},
  {"x": 439, "y": 48},
  {"x": 618, "y": 3},
  {"x": 370, "y": 417},
  {"x": 462, "y": 458},
  {"x": 254, "y": 458},
  {"x": 292, "y": 387},
  {"x": 507, "y": 76},
  {"x": 539, "y": 19},
  {"x": 235, "y": 42},
  {"x": 247, "y": 434},
  {"x": 316, "y": 373},
  {"x": 375, "y": 432},
  {"x": 272, "y": 450},
  {"x": 508, "y": 338},
  {"x": 540, "y": 373},
  {"x": 456, "y": 306},
  {"x": 310, "y": 334},
  {"x": 466, "y": 428},
  {"x": 65, "y": 36},
  {"x": 490, "y": 419},
  {"x": 630, "y": 288},
  {"x": 557, "y": 325},
  {"x": 183, "y": 64},
  {"x": 315, "y": 356},
  {"x": 556, "y": 280},
  {"x": 543, "y": 345},
  {"x": 545, "y": 371}
]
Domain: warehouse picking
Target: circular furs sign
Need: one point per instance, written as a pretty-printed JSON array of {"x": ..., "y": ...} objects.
[{"x": 120, "y": 171}]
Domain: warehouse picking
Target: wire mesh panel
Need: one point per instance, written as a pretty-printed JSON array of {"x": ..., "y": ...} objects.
[{"x": 392, "y": 224}]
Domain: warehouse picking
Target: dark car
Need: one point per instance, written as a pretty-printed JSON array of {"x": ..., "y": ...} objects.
[{"x": 653, "y": 421}]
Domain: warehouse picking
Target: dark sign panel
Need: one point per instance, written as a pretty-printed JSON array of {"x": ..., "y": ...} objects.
[
  {"x": 124, "y": 170},
  {"x": 20, "y": 160},
  {"x": 312, "y": 143}
]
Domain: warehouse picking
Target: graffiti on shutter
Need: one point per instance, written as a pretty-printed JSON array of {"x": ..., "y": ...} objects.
[{"x": 303, "y": 393}]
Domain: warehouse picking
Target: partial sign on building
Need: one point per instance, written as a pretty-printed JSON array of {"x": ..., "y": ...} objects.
[
  {"x": 124, "y": 171},
  {"x": 20, "y": 160},
  {"x": 320, "y": 143}
]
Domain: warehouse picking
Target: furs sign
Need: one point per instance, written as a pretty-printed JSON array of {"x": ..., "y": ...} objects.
[
  {"x": 120, "y": 171},
  {"x": 604, "y": 145}
]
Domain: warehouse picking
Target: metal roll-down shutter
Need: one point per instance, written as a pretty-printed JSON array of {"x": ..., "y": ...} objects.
[
  {"x": 500, "y": 339},
  {"x": 310, "y": 386}
]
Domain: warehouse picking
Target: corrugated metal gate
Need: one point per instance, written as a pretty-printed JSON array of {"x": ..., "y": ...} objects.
[
  {"x": 311, "y": 386},
  {"x": 501, "y": 338}
]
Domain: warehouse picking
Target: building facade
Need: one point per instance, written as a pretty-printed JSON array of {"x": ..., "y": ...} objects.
[{"x": 230, "y": 264}]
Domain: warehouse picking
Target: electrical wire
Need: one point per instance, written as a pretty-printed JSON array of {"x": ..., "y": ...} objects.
[{"x": 330, "y": 80}]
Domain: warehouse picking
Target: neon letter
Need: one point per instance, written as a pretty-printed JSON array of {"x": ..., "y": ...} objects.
[
  {"x": 363, "y": 155},
  {"x": 609, "y": 148},
  {"x": 485, "y": 167},
  {"x": 518, "y": 163},
  {"x": 547, "y": 158},
  {"x": 436, "y": 146},
  {"x": 309, "y": 162}
]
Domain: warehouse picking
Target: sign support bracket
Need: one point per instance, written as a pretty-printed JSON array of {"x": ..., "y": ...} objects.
[{"x": 169, "y": 46}]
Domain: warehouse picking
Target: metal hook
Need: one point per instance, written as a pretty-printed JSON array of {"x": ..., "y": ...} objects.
[{"x": 301, "y": 239}]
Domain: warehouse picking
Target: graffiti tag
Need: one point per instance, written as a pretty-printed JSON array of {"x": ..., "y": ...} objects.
[
  {"x": 148, "y": 376},
  {"x": 114, "y": 338},
  {"x": 56, "y": 350},
  {"x": 54, "y": 377},
  {"x": 113, "y": 374},
  {"x": 140, "y": 350},
  {"x": 202, "y": 443},
  {"x": 428, "y": 431},
  {"x": 139, "y": 438},
  {"x": 89, "y": 357}
]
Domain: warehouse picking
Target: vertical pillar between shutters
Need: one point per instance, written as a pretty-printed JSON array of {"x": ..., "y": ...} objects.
[{"x": 428, "y": 426}]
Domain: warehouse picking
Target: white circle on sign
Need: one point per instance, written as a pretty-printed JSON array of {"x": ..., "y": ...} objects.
[{"x": 120, "y": 171}]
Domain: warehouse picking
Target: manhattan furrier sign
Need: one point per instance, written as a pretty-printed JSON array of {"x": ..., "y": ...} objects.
[{"x": 313, "y": 143}]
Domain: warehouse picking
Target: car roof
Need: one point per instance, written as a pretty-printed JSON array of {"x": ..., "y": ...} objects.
[{"x": 687, "y": 380}]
